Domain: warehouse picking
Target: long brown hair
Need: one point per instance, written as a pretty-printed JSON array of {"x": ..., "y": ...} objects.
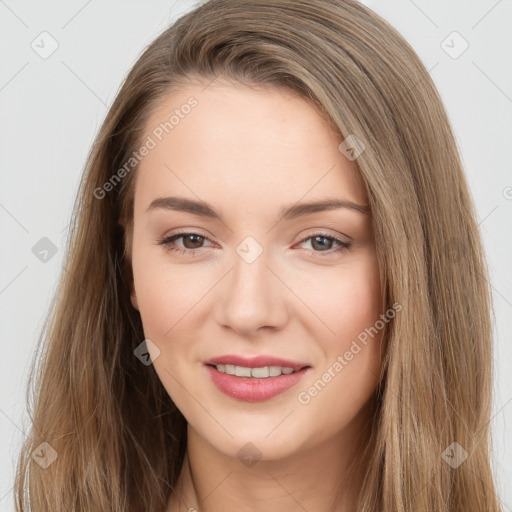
[{"x": 118, "y": 437}]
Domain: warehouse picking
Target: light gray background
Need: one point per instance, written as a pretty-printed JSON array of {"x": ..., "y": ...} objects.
[{"x": 51, "y": 109}]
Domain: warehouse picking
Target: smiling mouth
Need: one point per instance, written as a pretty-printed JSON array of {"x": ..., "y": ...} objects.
[{"x": 263, "y": 372}]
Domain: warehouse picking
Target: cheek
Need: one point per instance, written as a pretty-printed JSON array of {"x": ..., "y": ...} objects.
[
  {"x": 166, "y": 295},
  {"x": 347, "y": 300},
  {"x": 357, "y": 303},
  {"x": 168, "y": 305},
  {"x": 349, "y": 372},
  {"x": 357, "y": 326},
  {"x": 157, "y": 301}
]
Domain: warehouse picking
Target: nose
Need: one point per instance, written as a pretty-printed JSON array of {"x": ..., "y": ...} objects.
[{"x": 252, "y": 297}]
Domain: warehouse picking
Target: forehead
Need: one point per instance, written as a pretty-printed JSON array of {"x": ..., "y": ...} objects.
[{"x": 259, "y": 146}]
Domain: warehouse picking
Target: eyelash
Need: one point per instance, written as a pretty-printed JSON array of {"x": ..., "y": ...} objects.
[{"x": 166, "y": 243}]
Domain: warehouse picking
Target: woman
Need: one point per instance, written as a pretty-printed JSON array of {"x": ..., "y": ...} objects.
[{"x": 275, "y": 295}]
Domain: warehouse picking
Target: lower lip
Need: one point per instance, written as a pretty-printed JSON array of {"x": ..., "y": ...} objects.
[{"x": 254, "y": 390}]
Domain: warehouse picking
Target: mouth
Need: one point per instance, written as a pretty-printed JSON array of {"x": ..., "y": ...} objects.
[{"x": 253, "y": 381}]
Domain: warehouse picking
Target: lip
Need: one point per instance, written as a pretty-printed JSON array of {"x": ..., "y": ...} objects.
[
  {"x": 254, "y": 390},
  {"x": 255, "y": 362}
]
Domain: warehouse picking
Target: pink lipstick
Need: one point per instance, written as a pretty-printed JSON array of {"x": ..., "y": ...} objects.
[{"x": 254, "y": 379}]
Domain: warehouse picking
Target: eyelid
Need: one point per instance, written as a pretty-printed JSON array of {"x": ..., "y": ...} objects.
[
  {"x": 325, "y": 232},
  {"x": 183, "y": 234},
  {"x": 187, "y": 231}
]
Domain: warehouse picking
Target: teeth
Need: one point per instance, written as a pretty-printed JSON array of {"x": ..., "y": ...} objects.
[
  {"x": 257, "y": 373},
  {"x": 240, "y": 371},
  {"x": 260, "y": 373},
  {"x": 274, "y": 371}
]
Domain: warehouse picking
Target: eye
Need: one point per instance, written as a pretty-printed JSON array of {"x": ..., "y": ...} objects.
[
  {"x": 320, "y": 243},
  {"x": 324, "y": 242},
  {"x": 191, "y": 242}
]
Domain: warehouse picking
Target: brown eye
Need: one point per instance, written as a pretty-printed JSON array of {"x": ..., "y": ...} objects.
[{"x": 192, "y": 241}]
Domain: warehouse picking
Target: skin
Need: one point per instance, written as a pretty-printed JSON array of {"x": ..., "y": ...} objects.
[{"x": 249, "y": 152}]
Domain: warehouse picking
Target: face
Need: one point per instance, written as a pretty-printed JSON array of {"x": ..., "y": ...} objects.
[{"x": 239, "y": 280}]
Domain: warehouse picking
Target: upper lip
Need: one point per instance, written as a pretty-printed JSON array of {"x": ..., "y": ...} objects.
[{"x": 255, "y": 362}]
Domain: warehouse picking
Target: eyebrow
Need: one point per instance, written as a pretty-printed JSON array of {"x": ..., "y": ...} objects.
[{"x": 204, "y": 209}]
